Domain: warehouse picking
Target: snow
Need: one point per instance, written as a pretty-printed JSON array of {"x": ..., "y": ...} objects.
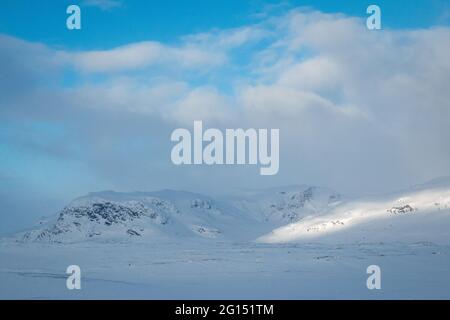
[
  {"x": 152, "y": 216},
  {"x": 222, "y": 271},
  {"x": 419, "y": 213},
  {"x": 282, "y": 243}
]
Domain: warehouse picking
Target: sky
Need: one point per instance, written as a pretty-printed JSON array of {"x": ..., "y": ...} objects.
[{"x": 85, "y": 110}]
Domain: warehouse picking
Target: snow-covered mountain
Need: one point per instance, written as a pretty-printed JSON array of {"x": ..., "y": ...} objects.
[
  {"x": 287, "y": 204},
  {"x": 285, "y": 214},
  {"x": 153, "y": 215},
  {"x": 421, "y": 213}
]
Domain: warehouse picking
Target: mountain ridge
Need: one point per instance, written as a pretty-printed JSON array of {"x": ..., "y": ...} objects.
[{"x": 281, "y": 214}]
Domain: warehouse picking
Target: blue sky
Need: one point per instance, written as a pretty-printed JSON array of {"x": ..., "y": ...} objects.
[
  {"x": 90, "y": 110},
  {"x": 137, "y": 20}
]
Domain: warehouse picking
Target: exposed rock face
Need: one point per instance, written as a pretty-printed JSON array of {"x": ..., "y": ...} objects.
[
  {"x": 92, "y": 218},
  {"x": 401, "y": 209}
]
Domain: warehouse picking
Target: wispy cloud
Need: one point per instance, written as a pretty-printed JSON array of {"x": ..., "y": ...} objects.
[
  {"x": 143, "y": 55},
  {"x": 103, "y": 4}
]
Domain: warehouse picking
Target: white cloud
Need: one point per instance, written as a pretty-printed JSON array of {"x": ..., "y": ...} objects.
[
  {"x": 329, "y": 74},
  {"x": 122, "y": 58},
  {"x": 355, "y": 107},
  {"x": 142, "y": 55},
  {"x": 203, "y": 103},
  {"x": 229, "y": 39},
  {"x": 126, "y": 95}
]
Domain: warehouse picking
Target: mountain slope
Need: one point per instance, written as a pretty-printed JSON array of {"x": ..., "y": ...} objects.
[
  {"x": 154, "y": 215},
  {"x": 287, "y": 204},
  {"x": 422, "y": 212}
]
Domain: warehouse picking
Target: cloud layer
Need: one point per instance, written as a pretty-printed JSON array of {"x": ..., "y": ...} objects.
[{"x": 357, "y": 109}]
